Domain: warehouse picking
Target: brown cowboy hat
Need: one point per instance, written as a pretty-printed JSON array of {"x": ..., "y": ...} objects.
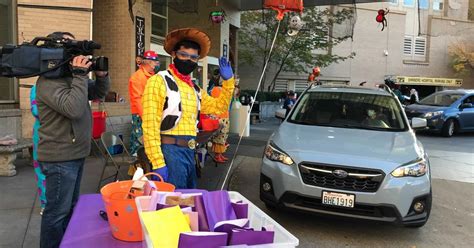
[{"x": 191, "y": 34}]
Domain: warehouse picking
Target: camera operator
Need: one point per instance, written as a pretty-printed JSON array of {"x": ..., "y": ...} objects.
[{"x": 65, "y": 138}]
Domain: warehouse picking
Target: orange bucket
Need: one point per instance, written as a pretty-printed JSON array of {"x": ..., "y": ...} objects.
[{"x": 122, "y": 211}]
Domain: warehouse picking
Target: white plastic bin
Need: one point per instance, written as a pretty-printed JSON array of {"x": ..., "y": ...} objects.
[
  {"x": 239, "y": 121},
  {"x": 257, "y": 218}
]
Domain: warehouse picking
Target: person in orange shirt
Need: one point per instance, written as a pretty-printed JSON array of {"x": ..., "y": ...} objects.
[
  {"x": 136, "y": 86},
  {"x": 219, "y": 142}
]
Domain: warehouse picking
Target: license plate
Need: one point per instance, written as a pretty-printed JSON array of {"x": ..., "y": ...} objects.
[{"x": 338, "y": 199}]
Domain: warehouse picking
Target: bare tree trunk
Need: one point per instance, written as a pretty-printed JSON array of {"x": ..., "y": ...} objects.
[
  {"x": 265, "y": 54},
  {"x": 272, "y": 85}
]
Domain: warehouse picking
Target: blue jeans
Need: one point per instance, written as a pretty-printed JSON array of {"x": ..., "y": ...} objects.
[
  {"x": 63, "y": 181},
  {"x": 181, "y": 164}
]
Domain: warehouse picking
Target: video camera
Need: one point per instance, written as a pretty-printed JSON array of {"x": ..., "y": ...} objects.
[{"x": 49, "y": 59}]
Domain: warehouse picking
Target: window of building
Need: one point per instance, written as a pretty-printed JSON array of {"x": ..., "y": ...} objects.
[
  {"x": 407, "y": 45},
  {"x": 8, "y": 89},
  {"x": 424, "y": 4},
  {"x": 159, "y": 18},
  {"x": 438, "y": 5},
  {"x": 394, "y": 2},
  {"x": 414, "y": 46},
  {"x": 409, "y": 3}
]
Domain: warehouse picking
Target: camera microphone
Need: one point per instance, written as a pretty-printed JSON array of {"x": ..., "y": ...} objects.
[{"x": 86, "y": 47}]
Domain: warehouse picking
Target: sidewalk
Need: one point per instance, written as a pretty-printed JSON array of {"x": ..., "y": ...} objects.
[{"x": 19, "y": 206}]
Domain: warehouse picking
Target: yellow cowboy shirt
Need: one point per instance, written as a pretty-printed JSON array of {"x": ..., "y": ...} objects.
[{"x": 153, "y": 102}]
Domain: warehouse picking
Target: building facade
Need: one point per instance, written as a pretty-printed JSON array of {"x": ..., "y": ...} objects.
[
  {"x": 123, "y": 31},
  {"x": 406, "y": 48}
]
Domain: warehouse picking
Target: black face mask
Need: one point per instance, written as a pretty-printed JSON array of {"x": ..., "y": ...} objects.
[{"x": 185, "y": 67}]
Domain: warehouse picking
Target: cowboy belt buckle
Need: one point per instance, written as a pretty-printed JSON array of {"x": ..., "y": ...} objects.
[{"x": 192, "y": 144}]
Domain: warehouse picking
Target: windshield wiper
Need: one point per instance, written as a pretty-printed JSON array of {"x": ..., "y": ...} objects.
[
  {"x": 369, "y": 128},
  {"x": 301, "y": 122}
]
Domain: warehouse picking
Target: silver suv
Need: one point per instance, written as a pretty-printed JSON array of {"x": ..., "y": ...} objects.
[{"x": 349, "y": 151}]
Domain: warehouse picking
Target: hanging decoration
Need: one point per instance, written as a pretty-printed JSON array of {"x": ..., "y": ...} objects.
[
  {"x": 296, "y": 24},
  {"x": 283, "y": 6},
  {"x": 217, "y": 17},
  {"x": 381, "y": 17},
  {"x": 314, "y": 74}
]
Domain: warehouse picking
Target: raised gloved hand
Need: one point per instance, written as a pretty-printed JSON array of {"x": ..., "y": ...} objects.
[
  {"x": 163, "y": 171},
  {"x": 225, "y": 69}
]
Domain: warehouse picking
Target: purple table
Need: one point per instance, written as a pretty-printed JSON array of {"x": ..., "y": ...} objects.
[{"x": 88, "y": 229}]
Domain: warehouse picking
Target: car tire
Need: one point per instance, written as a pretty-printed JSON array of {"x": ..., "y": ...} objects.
[
  {"x": 270, "y": 206},
  {"x": 449, "y": 128}
]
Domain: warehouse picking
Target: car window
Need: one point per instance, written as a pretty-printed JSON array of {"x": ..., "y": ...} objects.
[
  {"x": 470, "y": 99},
  {"x": 444, "y": 99},
  {"x": 349, "y": 110}
]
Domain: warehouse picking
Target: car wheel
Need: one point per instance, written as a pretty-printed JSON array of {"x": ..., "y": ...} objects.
[
  {"x": 449, "y": 128},
  {"x": 270, "y": 206}
]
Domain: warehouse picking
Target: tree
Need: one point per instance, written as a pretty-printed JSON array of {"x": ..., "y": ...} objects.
[
  {"x": 311, "y": 47},
  {"x": 462, "y": 57}
]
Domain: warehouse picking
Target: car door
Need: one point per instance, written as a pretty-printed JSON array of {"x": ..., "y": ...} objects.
[{"x": 466, "y": 115}]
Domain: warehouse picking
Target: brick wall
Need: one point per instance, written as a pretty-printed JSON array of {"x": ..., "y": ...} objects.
[
  {"x": 114, "y": 29},
  {"x": 66, "y": 3},
  {"x": 33, "y": 22},
  {"x": 199, "y": 20}
]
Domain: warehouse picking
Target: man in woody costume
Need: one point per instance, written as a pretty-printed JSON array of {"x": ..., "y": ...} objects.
[{"x": 172, "y": 104}]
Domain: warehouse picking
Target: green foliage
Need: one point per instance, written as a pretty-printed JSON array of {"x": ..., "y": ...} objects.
[
  {"x": 311, "y": 47},
  {"x": 462, "y": 58}
]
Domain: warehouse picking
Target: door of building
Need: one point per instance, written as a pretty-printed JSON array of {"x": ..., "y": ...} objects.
[{"x": 7, "y": 85}]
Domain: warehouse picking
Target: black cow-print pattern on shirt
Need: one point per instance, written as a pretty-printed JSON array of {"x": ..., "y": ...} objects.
[{"x": 172, "y": 108}]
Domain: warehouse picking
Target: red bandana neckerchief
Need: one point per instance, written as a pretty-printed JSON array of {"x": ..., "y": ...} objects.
[{"x": 184, "y": 78}]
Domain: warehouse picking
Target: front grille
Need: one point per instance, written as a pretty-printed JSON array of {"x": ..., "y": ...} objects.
[
  {"x": 357, "y": 179},
  {"x": 359, "y": 209}
]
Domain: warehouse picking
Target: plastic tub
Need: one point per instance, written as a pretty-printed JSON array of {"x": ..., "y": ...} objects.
[
  {"x": 122, "y": 212},
  {"x": 98, "y": 123},
  {"x": 258, "y": 219}
]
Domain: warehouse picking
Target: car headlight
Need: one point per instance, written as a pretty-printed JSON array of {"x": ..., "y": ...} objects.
[
  {"x": 417, "y": 168},
  {"x": 275, "y": 154},
  {"x": 432, "y": 114}
]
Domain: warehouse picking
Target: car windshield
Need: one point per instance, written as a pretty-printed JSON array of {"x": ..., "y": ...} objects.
[
  {"x": 444, "y": 99},
  {"x": 349, "y": 110}
]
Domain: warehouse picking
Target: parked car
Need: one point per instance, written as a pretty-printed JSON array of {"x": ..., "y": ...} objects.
[
  {"x": 447, "y": 112},
  {"x": 350, "y": 152}
]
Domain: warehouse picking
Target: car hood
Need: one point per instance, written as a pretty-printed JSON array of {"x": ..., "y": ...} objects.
[
  {"x": 384, "y": 150},
  {"x": 418, "y": 108}
]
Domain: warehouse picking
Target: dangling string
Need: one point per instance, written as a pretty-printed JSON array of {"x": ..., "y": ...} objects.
[{"x": 251, "y": 106}]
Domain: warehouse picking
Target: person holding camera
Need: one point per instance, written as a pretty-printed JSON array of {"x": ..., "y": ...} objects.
[{"x": 65, "y": 138}]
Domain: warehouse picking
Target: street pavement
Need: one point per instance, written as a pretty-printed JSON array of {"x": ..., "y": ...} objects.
[{"x": 451, "y": 223}]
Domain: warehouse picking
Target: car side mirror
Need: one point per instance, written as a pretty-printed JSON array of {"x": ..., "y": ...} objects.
[
  {"x": 466, "y": 105},
  {"x": 418, "y": 123},
  {"x": 280, "y": 114}
]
